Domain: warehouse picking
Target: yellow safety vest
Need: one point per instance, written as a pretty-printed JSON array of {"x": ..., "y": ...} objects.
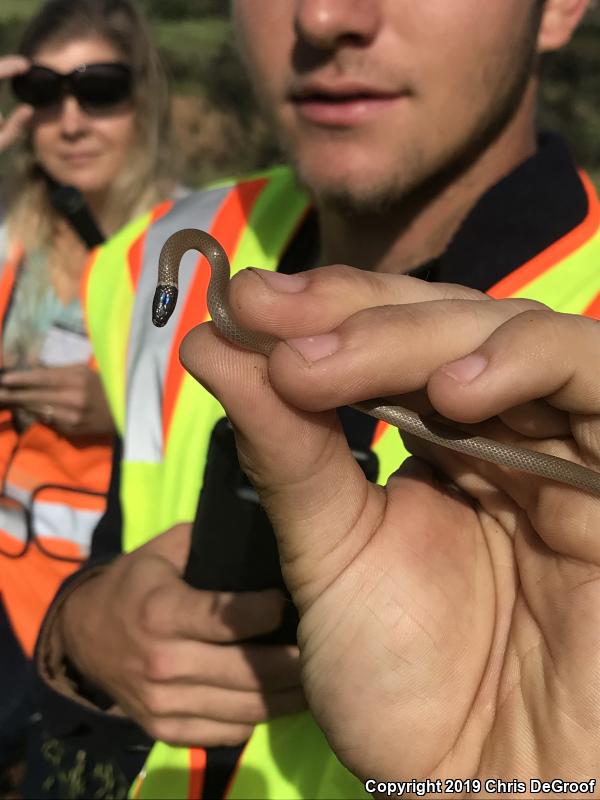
[{"x": 165, "y": 419}]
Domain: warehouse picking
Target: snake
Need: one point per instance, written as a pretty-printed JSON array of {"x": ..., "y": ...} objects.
[{"x": 436, "y": 431}]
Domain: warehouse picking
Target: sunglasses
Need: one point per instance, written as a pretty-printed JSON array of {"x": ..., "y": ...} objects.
[{"x": 96, "y": 87}]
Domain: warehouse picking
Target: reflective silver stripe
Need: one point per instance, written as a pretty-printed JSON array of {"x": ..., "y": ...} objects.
[
  {"x": 17, "y": 493},
  {"x": 58, "y": 521},
  {"x": 150, "y": 347},
  {"x": 52, "y": 521},
  {"x": 12, "y": 522}
]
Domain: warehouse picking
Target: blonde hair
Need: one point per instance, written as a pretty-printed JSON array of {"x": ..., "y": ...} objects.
[{"x": 149, "y": 175}]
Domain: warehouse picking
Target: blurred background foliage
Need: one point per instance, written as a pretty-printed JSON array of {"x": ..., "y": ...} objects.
[{"x": 219, "y": 129}]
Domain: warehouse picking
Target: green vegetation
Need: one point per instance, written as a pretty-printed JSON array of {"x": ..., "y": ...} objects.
[
  {"x": 17, "y": 9},
  {"x": 571, "y": 93},
  {"x": 190, "y": 45}
]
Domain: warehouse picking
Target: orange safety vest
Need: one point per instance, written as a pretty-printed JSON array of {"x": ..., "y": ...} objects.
[{"x": 53, "y": 487}]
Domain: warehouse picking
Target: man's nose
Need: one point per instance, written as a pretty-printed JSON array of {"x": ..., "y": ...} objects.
[
  {"x": 325, "y": 24},
  {"x": 73, "y": 120}
]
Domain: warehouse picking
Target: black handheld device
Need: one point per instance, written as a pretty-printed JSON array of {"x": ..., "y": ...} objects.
[{"x": 233, "y": 546}]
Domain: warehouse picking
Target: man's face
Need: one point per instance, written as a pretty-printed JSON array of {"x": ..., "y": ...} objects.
[{"x": 371, "y": 98}]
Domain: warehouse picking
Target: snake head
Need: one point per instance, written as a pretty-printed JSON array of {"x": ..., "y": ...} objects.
[{"x": 163, "y": 305}]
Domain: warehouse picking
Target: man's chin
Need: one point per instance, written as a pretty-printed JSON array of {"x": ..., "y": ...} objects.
[
  {"x": 354, "y": 179},
  {"x": 362, "y": 194}
]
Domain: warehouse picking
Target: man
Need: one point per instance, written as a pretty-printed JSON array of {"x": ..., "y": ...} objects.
[{"x": 412, "y": 126}]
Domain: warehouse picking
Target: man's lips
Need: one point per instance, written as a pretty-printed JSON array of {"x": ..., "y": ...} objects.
[{"x": 342, "y": 105}]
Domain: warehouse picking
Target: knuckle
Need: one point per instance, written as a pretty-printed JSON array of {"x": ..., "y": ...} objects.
[
  {"x": 235, "y": 735},
  {"x": 536, "y": 316},
  {"x": 154, "y": 702},
  {"x": 159, "y": 666},
  {"x": 383, "y": 317},
  {"x": 219, "y": 631},
  {"x": 223, "y": 618},
  {"x": 254, "y": 710},
  {"x": 162, "y": 730},
  {"x": 153, "y": 615},
  {"x": 341, "y": 280},
  {"x": 451, "y": 291},
  {"x": 524, "y": 304}
]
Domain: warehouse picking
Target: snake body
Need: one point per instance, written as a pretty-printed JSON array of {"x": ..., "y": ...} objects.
[{"x": 165, "y": 299}]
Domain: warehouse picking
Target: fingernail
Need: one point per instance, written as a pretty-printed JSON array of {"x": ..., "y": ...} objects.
[
  {"x": 313, "y": 348},
  {"x": 466, "y": 369},
  {"x": 279, "y": 282}
]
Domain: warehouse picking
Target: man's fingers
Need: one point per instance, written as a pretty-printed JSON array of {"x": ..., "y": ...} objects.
[
  {"x": 411, "y": 342},
  {"x": 536, "y": 354},
  {"x": 535, "y": 357},
  {"x": 319, "y": 300},
  {"x": 288, "y": 455}
]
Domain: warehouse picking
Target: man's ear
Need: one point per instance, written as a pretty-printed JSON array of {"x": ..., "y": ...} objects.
[{"x": 559, "y": 20}]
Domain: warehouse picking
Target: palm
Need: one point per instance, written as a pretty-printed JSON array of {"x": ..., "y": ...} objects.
[
  {"x": 482, "y": 627},
  {"x": 443, "y": 632}
]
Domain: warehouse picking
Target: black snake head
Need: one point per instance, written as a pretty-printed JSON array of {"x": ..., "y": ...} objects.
[{"x": 163, "y": 305}]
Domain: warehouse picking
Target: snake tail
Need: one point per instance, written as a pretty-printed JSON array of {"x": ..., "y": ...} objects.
[{"x": 163, "y": 305}]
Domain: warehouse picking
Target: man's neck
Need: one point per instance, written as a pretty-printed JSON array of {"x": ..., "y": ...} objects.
[{"x": 420, "y": 227}]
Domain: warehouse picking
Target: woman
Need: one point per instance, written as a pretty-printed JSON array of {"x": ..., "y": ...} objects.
[{"x": 94, "y": 117}]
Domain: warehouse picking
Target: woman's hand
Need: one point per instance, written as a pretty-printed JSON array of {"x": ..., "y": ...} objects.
[
  {"x": 16, "y": 124},
  {"x": 450, "y": 622},
  {"x": 70, "y": 399}
]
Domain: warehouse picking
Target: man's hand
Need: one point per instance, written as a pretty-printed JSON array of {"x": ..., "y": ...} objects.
[
  {"x": 71, "y": 399},
  {"x": 450, "y": 622},
  {"x": 168, "y": 655}
]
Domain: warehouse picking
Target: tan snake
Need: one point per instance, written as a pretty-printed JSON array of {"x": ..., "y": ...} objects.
[{"x": 165, "y": 299}]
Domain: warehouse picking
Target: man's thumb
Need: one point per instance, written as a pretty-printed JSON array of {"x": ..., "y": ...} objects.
[{"x": 315, "y": 494}]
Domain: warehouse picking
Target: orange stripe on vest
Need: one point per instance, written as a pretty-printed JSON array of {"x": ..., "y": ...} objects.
[
  {"x": 135, "y": 256},
  {"x": 197, "y": 773},
  {"x": 593, "y": 310},
  {"x": 7, "y": 282},
  {"x": 558, "y": 251}
]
